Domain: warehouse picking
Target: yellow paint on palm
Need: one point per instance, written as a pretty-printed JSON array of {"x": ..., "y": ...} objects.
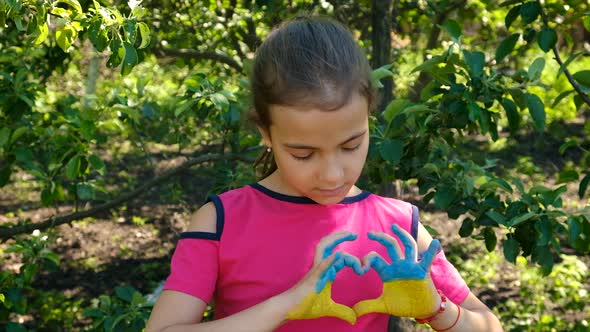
[
  {"x": 320, "y": 304},
  {"x": 403, "y": 298}
]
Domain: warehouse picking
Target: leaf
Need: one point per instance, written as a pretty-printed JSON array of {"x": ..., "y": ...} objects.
[
  {"x": 125, "y": 293},
  {"x": 512, "y": 15},
  {"x": 529, "y": 11},
  {"x": 543, "y": 256},
  {"x": 391, "y": 150},
  {"x": 570, "y": 143},
  {"x": 587, "y": 23},
  {"x": 130, "y": 60},
  {"x": 144, "y": 33},
  {"x": 394, "y": 107},
  {"x": 518, "y": 97},
  {"x": 93, "y": 312},
  {"x": 536, "y": 69},
  {"x": 4, "y": 136},
  {"x": 466, "y": 228},
  {"x": 23, "y": 155},
  {"x": 42, "y": 34},
  {"x": 490, "y": 239},
  {"x": 583, "y": 186},
  {"x": 574, "y": 229},
  {"x": 15, "y": 327},
  {"x": 511, "y": 249},
  {"x": 72, "y": 3},
  {"x": 117, "y": 53},
  {"x": 65, "y": 35},
  {"x": 85, "y": 191},
  {"x": 73, "y": 167},
  {"x": 97, "y": 164},
  {"x": 511, "y": 114},
  {"x": 537, "y": 110},
  {"x": 560, "y": 97},
  {"x": 522, "y": 218},
  {"x": 497, "y": 217},
  {"x": 583, "y": 77},
  {"x": 547, "y": 38},
  {"x": 429, "y": 65},
  {"x": 5, "y": 174},
  {"x": 506, "y": 46},
  {"x": 98, "y": 36},
  {"x": 219, "y": 100},
  {"x": 567, "y": 175},
  {"x": 380, "y": 73},
  {"x": 453, "y": 28},
  {"x": 444, "y": 197},
  {"x": 475, "y": 61}
]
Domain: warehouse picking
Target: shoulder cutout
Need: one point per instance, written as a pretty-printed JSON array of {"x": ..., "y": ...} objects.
[{"x": 204, "y": 220}]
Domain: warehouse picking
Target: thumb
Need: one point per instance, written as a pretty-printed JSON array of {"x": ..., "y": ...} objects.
[{"x": 369, "y": 306}]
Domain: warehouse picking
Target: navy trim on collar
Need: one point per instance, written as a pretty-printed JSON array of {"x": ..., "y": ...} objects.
[{"x": 305, "y": 200}]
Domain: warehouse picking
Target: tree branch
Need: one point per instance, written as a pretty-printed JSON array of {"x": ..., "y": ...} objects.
[
  {"x": 567, "y": 73},
  {"x": 188, "y": 53},
  {"x": 6, "y": 233}
]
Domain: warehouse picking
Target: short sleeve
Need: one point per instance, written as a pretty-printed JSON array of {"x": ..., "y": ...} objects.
[
  {"x": 446, "y": 278},
  {"x": 444, "y": 275},
  {"x": 194, "y": 267}
]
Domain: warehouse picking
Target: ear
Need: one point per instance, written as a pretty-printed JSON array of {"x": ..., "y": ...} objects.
[{"x": 265, "y": 136}]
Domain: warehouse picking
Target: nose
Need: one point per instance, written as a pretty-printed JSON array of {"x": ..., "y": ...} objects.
[{"x": 331, "y": 172}]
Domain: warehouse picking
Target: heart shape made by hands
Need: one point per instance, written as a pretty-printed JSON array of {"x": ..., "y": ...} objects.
[{"x": 408, "y": 290}]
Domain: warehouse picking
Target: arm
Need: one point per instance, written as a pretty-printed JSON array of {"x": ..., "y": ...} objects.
[
  {"x": 176, "y": 311},
  {"x": 475, "y": 315}
]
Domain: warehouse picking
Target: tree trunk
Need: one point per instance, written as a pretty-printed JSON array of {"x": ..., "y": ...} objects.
[{"x": 381, "y": 40}]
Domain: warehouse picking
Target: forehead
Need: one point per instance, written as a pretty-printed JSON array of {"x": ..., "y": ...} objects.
[{"x": 315, "y": 127}]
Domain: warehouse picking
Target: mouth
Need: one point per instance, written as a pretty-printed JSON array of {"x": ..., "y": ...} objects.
[{"x": 332, "y": 192}]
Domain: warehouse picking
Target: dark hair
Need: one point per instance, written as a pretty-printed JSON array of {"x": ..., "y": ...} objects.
[{"x": 308, "y": 61}]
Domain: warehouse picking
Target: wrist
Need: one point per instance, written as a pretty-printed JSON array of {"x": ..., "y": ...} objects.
[{"x": 438, "y": 310}]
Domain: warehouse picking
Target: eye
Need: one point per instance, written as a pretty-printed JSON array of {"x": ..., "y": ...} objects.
[
  {"x": 350, "y": 149},
  {"x": 302, "y": 157}
]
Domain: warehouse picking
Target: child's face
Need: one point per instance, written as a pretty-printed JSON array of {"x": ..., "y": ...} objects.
[{"x": 320, "y": 154}]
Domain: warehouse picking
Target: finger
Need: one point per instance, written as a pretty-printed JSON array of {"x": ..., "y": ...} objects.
[
  {"x": 326, "y": 241},
  {"x": 375, "y": 261},
  {"x": 369, "y": 306},
  {"x": 408, "y": 242},
  {"x": 340, "y": 311},
  {"x": 429, "y": 255},
  {"x": 353, "y": 262},
  {"x": 388, "y": 242},
  {"x": 333, "y": 241},
  {"x": 328, "y": 271}
]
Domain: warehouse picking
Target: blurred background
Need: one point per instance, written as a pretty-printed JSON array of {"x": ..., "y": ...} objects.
[{"x": 117, "y": 118}]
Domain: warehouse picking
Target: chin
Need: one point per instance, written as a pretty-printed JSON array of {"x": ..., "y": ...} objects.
[{"x": 327, "y": 200}]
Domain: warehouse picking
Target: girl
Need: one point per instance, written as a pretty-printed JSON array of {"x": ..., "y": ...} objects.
[{"x": 265, "y": 252}]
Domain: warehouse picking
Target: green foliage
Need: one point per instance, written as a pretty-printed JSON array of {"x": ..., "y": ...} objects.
[
  {"x": 465, "y": 96},
  {"x": 17, "y": 296},
  {"x": 128, "y": 310},
  {"x": 540, "y": 295}
]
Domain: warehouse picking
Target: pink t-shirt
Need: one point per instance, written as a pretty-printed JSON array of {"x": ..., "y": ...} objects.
[{"x": 265, "y": 243}]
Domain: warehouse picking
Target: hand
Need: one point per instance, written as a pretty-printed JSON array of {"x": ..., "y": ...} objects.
[
  {"x": 408, "y": 290},
  {"x": 316, "y": 286}
]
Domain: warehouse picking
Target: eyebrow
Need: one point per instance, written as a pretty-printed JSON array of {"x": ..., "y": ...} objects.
[{"x": 308, "y": 147}]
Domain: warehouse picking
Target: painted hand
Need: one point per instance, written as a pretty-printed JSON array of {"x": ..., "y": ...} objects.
[
  {"x": 408, "y": 290},
  {"x": 319, "y": 303}
]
